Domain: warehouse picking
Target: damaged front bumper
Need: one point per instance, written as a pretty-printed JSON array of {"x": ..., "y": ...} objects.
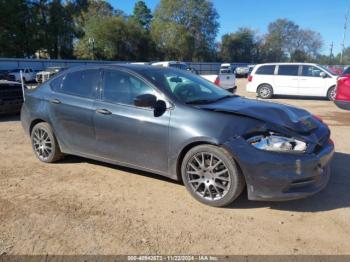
[{"x": 281, "y": 176}]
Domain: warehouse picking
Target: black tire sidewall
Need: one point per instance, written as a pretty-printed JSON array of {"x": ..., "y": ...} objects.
[
  {"x": 237, "y": 180},
  {"x": 329, "y": 93}
]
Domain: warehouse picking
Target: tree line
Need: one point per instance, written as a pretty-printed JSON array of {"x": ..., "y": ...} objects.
[{"x": 176, "y": 30}]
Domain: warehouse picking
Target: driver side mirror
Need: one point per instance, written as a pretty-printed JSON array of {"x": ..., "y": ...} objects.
[
  {"x": 146, "y": 100},
  {"x": 323, "y": 75}
]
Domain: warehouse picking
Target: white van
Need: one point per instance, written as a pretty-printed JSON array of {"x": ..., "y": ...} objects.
[{"x": 297, "y": 79}]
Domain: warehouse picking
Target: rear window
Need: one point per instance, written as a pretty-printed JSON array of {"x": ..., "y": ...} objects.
[
  {"x": 265, "y": 70},
  {"x": 288, "y": 70}
]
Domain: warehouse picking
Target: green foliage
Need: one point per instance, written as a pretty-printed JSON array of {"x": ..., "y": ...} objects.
[
  {"x": 116, "y": 38},
  {"x": 142, "y": 14},
  {"x": 240, "y": 46},
  {"x": 177, "y": 30},
  {"x": 185, "y": 29}
]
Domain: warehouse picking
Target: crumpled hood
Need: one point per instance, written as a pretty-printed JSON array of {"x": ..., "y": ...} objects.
[{"x": 289, "y": 117}]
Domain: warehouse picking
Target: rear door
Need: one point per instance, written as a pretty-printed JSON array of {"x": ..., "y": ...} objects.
[
  {"x": 311, "y": 83},
  {"x": 286, "y": 82},
  {"x": 71, "y": 109}
]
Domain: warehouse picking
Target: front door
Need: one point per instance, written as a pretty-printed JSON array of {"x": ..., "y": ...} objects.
[
  {"x": 126, "y": 133},
  {"x": 286, "y": 82},
  {"x": 311, "y": 83}
]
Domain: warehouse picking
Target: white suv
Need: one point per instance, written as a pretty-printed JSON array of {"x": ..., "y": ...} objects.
[{"x": 297, "y": 79}]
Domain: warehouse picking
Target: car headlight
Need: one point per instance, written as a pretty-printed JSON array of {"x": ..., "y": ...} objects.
[{"x": 277, "y": 143}]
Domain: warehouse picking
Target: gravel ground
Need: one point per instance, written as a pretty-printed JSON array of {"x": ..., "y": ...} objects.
[{"x": 79, "y": 206}]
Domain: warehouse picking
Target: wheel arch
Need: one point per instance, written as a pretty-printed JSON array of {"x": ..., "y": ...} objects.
[
  {"x": 263, "y": 84},
  {"x": 34, "y": 123},
  {"x": 184, "y": 151}
]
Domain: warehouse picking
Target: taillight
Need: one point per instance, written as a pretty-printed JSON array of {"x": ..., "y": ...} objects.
[
  {"x": 217, "y": 81},
  {"x": 250, "y": 78}
]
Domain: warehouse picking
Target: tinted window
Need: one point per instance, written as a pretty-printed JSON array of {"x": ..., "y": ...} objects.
[
  {"x": 121, "y": 87},
  {"x": 346, "y": 71},
  {"x": 311, "y": 71},
  {"x": 80, "y": 83},
  {"x": 288, "y": 70},
  {"x": 265, "y": 70},
  {"x": 56, "y": 83}
]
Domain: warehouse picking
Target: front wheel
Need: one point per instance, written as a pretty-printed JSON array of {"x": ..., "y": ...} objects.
[
  {"x": 45, "y": 144},
  {"x": 331, "y": 93},
  {"x": 211, "y": 175}
]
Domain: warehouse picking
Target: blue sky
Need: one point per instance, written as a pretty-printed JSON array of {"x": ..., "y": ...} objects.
[{"x": 324, "y": 16}]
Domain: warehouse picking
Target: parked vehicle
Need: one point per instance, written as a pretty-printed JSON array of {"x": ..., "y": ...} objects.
[
  {"x": 177, "y": 65},
  {"x": 342, "y": 98},
  {"x": 225, "y": 79},
  {"x": 3, "y": 74},
  {"x": 45, "y": 75},
  {"x": 11, "y": 97},
  {"x": 242, "y": 71},
  {"x": 297, "y": 79},
  {"x": 215, "y": 142},
  {"x": 28, "y": 75}
]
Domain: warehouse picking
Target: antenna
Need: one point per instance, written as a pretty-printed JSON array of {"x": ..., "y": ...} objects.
[{"x": 344, "y": 35}]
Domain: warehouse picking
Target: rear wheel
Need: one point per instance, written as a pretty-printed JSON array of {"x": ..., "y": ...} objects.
[
  {"x": 265, "y": 91},
  {"x": 211, "y": 176},
  {"x": 45, "y": 144},
  {"x": 331, "y": 93}
]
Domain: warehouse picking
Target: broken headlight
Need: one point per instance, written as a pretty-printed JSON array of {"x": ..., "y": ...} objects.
[{"x": 277, "y": 143}]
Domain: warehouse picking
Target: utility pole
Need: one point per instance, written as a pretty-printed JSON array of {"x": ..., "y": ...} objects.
[
  {"x": 344, "y": 35},
  {"x": 331, "y": 53}
]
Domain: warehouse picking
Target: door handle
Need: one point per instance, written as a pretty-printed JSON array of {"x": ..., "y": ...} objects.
[
  {"x": 103, "y": 111},
  {"x": 55, "y": 101}
]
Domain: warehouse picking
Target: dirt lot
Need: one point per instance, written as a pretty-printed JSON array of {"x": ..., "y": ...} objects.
[{"x": 80, "y": 206}]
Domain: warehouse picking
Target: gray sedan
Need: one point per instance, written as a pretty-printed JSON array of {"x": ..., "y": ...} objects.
[{"x": 176, "y": 124}]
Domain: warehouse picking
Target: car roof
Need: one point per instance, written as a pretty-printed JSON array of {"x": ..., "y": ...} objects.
[
  {"x": 286, "y": 63},
  {"x": 132, "y": 67}
]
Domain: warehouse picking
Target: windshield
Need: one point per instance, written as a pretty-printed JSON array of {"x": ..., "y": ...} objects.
[
  {"x": 188, "y": 88},
  {"x": 327, "y": 70}
]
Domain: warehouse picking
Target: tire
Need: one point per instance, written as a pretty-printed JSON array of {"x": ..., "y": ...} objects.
[
  {"x": 331, "y": 93},
  {"x": 265, "y": 91},
  {"x": 44, "y": 143},
  {"x": 207, "y": 181}
]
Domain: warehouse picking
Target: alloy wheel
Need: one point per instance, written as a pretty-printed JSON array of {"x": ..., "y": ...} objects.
[
  {"x": 42, "y": 143},
  {"x": 208, "y": 176}
]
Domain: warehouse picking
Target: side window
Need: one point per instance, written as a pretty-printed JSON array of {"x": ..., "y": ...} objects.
[
  {"x": 79, "y": 83},
  {"x": 311, "y": 71},
  {"x": 121, "y": 87},
  {"x": 288, "y": 70},
  {"x": 346, "y": 71},
  {"x": 56, "y": 84},
  {"x": 266, "y": 70}
]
